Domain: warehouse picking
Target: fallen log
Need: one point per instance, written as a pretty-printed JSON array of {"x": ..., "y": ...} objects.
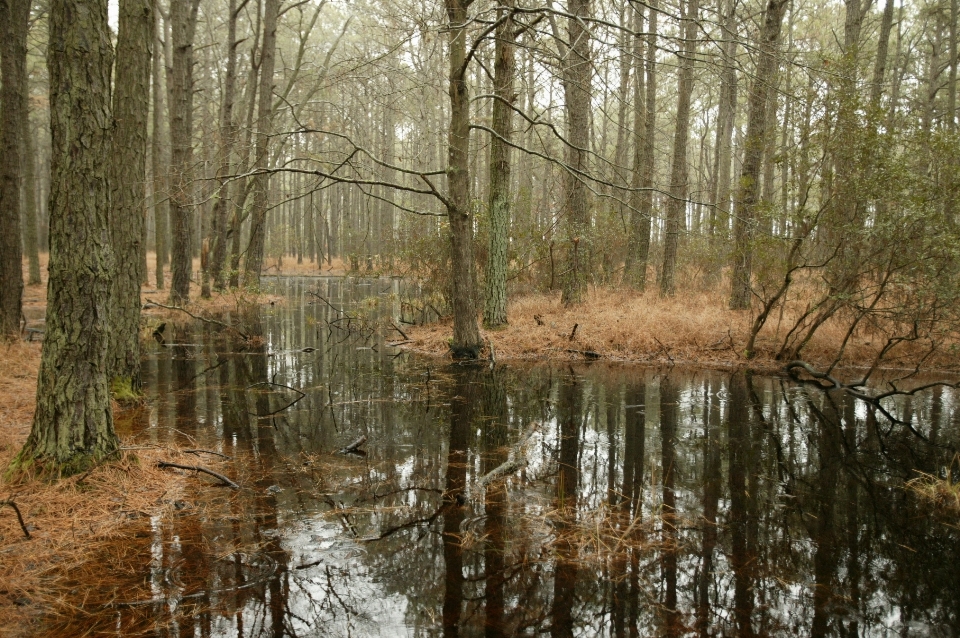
[{"x": 354, "y": 448}]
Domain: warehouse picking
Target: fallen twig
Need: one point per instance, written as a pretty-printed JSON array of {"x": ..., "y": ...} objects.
[
  {"x": 16, "y": 509},
  {"x": 199, "y": 468}
]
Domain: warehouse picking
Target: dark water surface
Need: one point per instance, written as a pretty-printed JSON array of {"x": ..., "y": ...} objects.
[{"x": 653, "y": 502}]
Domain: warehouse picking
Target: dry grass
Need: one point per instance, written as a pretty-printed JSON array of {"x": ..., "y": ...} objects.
[
  {"x": 944, "y": 493},
  {"x": 620, "y": 325}
]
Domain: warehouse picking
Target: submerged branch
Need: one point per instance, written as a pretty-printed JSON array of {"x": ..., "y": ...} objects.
[
  {"x": 516, "y": 459},
  {"x": 200, "y": 468}
]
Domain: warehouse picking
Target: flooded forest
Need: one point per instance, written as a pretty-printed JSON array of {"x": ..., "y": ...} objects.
[{"x": 479, "y": 317}]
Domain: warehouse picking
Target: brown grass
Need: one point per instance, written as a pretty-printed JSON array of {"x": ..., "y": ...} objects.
[{"x": 621, "y": 325}]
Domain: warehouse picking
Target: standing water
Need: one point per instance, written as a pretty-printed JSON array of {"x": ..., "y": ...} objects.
[{"x": 636, "y": 501}]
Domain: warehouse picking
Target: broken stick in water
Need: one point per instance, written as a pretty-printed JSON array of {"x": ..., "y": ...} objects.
[
  {"x": 516, "y": 459},
  {"x": 354, "y": 448}
]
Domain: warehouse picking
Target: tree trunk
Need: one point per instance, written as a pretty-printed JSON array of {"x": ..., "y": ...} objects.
[
  {"x": 495, "y": 308},
  {"x": 183, "y": 16},
  {"x": 638, "y": 241},
  {"x": 261, "y": 182},
  {"x": 73, "y": 423},
  {"x": 158, "y": 164},
  {"x": 31, "y": 240},
  {"x": 228, "y": 136},
  {"x": 466, "y": 332},
  {"x": 645, "y": 163},
  {"x": 676, "y": 205},
  {"x": 577, "y": 94},
  {"x": 128, "y": 176},
  {"x": 720, "y": 217},
  {"x": 748, "y": 193},
  {"x": 14, "y": 15}
]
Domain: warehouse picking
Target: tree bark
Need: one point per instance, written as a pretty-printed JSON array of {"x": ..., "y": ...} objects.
[
  {"x": 261, "y": 182},
  {"x": 73, "y": 423},
  {"x": 183, "y": 17},
  {"x": 676, "y": 205},
  {"x": 720, "y": 217},
  {"x": 128, "y": 176},
  {"x": 577, "y": 93},
  {"x": 466, "y": 331},
  {"x": 31, "y": 240},
  {"x": 228, "y": 136},
  {"x": 14, "y": 15},
  {"x": 748, "y": 193},
  {"x": 631, "y": 266},
  {"x": 158, "y": 164},
  {"x": 495, "y": 308}
]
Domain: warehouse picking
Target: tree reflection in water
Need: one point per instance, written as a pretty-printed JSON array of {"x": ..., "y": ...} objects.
[{"x": 652, "y": 502}]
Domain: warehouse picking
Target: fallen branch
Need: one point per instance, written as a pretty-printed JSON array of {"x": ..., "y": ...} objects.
[
  {"x": 16, "y": 509},
  {"x": 516, "y": 458},
  {"x": 397, "y": 328},
  {"x": 204, "y": 319},
  {"x": 354, "y": 448},
  {"x": 199, "y": 468},
  {"x": 198, "y": 452}
]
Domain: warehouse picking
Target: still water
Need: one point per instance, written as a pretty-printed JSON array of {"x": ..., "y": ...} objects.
[{"x": 649, "y": 502}]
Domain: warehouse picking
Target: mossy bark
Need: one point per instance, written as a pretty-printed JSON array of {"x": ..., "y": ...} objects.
[{"x": 73, "y": 423}]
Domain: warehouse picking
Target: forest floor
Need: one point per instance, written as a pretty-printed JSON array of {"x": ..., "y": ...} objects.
[{"x": 693, "y": 330}]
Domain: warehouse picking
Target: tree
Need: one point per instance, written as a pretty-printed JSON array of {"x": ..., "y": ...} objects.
[
  {"x": 504, "y": 68},
  {"x": 748, "y": 192},
  {"x": 183, "y": 18},
  {"x": 14, "y": 16},
  {"x": 128, "y": 176},
  {"x": 228, "y": 136},
  {"x": 645, "y": 129},
  {"x": 466, "y": 333},
  {"x": 73, "y": 422},
  {"x": 577, "y": 93},
  {"x": 158, "y": 163},
  {"x": 676, "y": 205},
  {"x": 261, "y": 181},
  {"x": 31, "y": 239}
]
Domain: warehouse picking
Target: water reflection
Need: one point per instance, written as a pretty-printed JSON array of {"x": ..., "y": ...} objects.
[{"x": 652, "y": 503}]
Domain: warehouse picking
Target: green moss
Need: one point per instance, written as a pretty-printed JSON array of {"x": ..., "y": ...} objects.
[{"x": 122, "y": 390}]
